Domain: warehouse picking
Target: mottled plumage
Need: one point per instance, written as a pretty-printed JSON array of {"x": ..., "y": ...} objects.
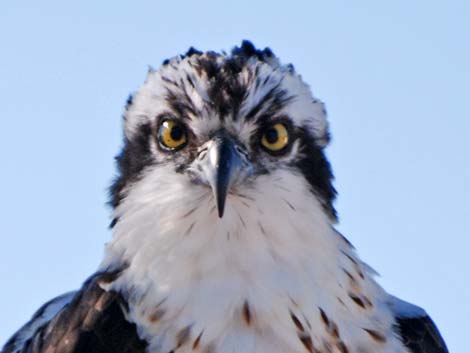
[{"x": 223, "y": 229}]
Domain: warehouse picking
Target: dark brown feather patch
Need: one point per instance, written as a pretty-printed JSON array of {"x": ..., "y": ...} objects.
[
  {"x": 246, "y": 312},
  {"x": 377, "y": 336},
  {"x": 307, "y": 342},
  {"x": 156, "y": 315},
  {"x": 197, "y": 340},
  {"x": 324, "y": 317},
  {"x": 357, "y": 300},
  {"x": 297, "y": 322},
  {"x": 342, "y": 347},
  {"x": 183, "y": 336}
]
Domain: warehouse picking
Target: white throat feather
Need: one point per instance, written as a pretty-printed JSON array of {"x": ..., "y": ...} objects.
[{"x": 272, "y": 275}]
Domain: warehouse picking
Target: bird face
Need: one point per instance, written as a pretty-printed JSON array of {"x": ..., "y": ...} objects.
[
  {"x": 221, "y": 160},
  {"x": 218, "y": 122}
]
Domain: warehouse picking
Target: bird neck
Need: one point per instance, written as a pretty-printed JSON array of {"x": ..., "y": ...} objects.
[{"x": 273, "y": 263}]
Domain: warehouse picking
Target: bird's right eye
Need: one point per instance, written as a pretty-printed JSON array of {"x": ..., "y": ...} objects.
[{"x": 172, "y": 135}]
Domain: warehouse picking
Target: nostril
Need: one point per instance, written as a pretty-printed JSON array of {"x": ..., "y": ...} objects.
[
  {"x": 241, "y": 151},
  {"x": 202, "y": 154}
]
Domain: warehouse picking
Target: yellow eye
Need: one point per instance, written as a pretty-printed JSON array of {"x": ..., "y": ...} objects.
[
  {"x": 275, "y": 138},
  {"x": 172, "y": 135}
]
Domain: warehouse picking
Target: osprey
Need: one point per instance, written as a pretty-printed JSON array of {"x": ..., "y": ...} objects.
[{"x": 223, "y": 229}]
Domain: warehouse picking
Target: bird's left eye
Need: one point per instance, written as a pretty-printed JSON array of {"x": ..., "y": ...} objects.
[
  {"x": 172, "y": 135},
  {"x": 275, "y": 138}
]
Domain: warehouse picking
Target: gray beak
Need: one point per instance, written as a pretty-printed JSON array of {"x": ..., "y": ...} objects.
[{"x": 223, "y": 165}]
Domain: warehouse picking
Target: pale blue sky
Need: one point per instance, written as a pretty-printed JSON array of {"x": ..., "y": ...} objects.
[{"x": 395, "y": 77}]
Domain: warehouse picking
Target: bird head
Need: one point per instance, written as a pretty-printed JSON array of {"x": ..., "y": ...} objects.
[{"x": 217, "y": 125}]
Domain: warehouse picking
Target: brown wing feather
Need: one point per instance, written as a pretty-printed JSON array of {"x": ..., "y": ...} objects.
[
  {"x": 93, "y": 322},
  {"x": 420, "y": 335}
]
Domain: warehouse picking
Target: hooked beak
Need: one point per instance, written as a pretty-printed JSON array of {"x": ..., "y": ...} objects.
[{"x": 223, "y": 165}]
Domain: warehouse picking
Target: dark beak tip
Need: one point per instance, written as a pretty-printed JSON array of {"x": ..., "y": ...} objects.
[
  {"x": 221, "y": 206},
  {"x": 223, "y": 169}
]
